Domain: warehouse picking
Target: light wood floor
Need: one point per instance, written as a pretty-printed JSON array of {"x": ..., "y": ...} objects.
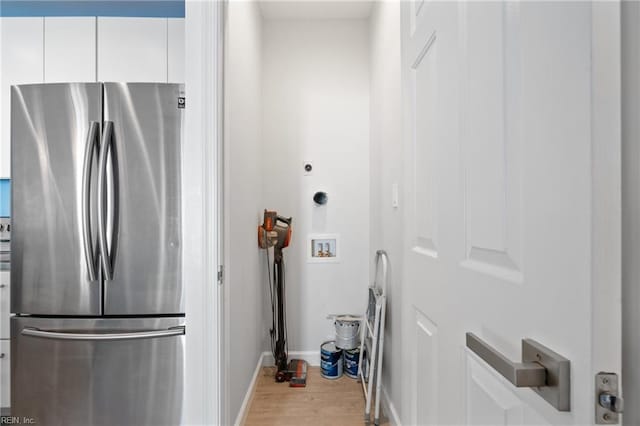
[{"x": 321, "y": 402}]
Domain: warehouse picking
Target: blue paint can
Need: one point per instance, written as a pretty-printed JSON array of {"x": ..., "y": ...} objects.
[
  {"x": 351, "y": 360},
  {"x": 330, "y": 360}
]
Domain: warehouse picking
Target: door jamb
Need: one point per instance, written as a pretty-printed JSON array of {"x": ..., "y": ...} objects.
[{"x": 202, "y": 184}]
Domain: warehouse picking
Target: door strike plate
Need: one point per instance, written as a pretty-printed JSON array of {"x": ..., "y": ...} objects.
[{"x": 609, "y": 407}]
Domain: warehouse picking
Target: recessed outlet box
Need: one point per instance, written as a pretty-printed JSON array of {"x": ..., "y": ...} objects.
[{"x": 323, "y": 248}]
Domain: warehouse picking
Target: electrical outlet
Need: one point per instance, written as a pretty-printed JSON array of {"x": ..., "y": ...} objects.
[{"x": 307, "y": 166}]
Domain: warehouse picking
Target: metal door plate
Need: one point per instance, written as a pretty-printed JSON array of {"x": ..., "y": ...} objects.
[
  {"x": 606, "y": 382},
  {"x": 558, "y": 389}
]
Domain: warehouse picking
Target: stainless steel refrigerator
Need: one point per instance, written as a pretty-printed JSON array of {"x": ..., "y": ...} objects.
[{"x": 99, "y": 330}]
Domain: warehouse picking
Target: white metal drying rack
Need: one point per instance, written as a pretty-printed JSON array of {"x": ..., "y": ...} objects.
[{"x": 372, "y": 338}]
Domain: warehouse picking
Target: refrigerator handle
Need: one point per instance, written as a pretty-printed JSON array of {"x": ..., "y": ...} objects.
[
  {"x": 107, "y": 140},
  {"x": 92, "y": 140},
  {"x": 146, "y": 334}
]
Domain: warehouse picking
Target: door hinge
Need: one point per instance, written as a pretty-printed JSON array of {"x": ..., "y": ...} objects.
[{"x": 220, "y": 274}]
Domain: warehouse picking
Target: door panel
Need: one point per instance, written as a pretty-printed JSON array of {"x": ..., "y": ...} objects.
[
  {"x": 424, "y": 79},
  {"x": 491, "y": 138},
  {"x": 97, "y": 382},
  {"x": 49, "y": 268},
  {"x": 146, "y": 258},
  {"x": 506, "y": 236},
  {"x": 425, "y": 366},
  {"x": 431, "y": 97},
  {"x": 490, "y": 400}
]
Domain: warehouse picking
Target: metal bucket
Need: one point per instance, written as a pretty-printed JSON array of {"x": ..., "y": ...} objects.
[
  {"x": 330, "y": 360},
  {"x": 351, "y": 359},
  {"x": 347, "y": 328}
]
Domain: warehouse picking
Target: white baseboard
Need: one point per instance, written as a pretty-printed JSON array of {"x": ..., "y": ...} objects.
[
  {"x": 390, "y": 409},
  {"x": 312, "y": 357},
  {"x": 246, "y": 403}
]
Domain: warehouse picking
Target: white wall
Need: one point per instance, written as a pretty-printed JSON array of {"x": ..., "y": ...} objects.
[
  {"x": 631, "y": 210},
  {"x": 244, "y": 275},
  {"x": 386, "y": 170},
  {"x": 316, "y": 107}
]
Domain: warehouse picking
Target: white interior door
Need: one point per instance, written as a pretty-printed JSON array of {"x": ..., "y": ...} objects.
[{"x": 513, "y": 227}]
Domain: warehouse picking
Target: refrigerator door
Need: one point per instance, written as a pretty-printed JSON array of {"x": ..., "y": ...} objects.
[
  {"x": 97, "y": 371},
  {"x": 55, "y": 132},
  {"x": 143, "y": 129}
]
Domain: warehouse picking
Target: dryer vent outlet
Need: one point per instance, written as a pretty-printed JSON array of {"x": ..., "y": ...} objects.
[{"x": 320, "y": 198}]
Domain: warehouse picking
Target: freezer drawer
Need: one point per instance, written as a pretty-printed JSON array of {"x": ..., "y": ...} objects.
[{"x": 98, "y": 371}]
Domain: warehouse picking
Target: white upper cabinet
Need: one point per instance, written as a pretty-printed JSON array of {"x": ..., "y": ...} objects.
[
  {"x": 84, "y": 49},
  {"x": 176, "y": 50},
  {"x": 132, "y": 49},
  {"x": 21, "y": 62},
  {"x": 69, "y": 49}
]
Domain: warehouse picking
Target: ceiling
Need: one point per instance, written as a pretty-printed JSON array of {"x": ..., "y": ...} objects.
[{"x": 315, "y": 9}]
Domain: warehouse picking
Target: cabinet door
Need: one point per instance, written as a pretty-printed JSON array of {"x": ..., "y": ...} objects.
[
  {"x": 132, "y": 50},
  {"x": 21, "y": 62},
  {"x": 176, "y": 50},
  {"x": 5, "y": 296},
  {"x": 5, "y": 371},
  {"x": 69, "y": 49}
]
